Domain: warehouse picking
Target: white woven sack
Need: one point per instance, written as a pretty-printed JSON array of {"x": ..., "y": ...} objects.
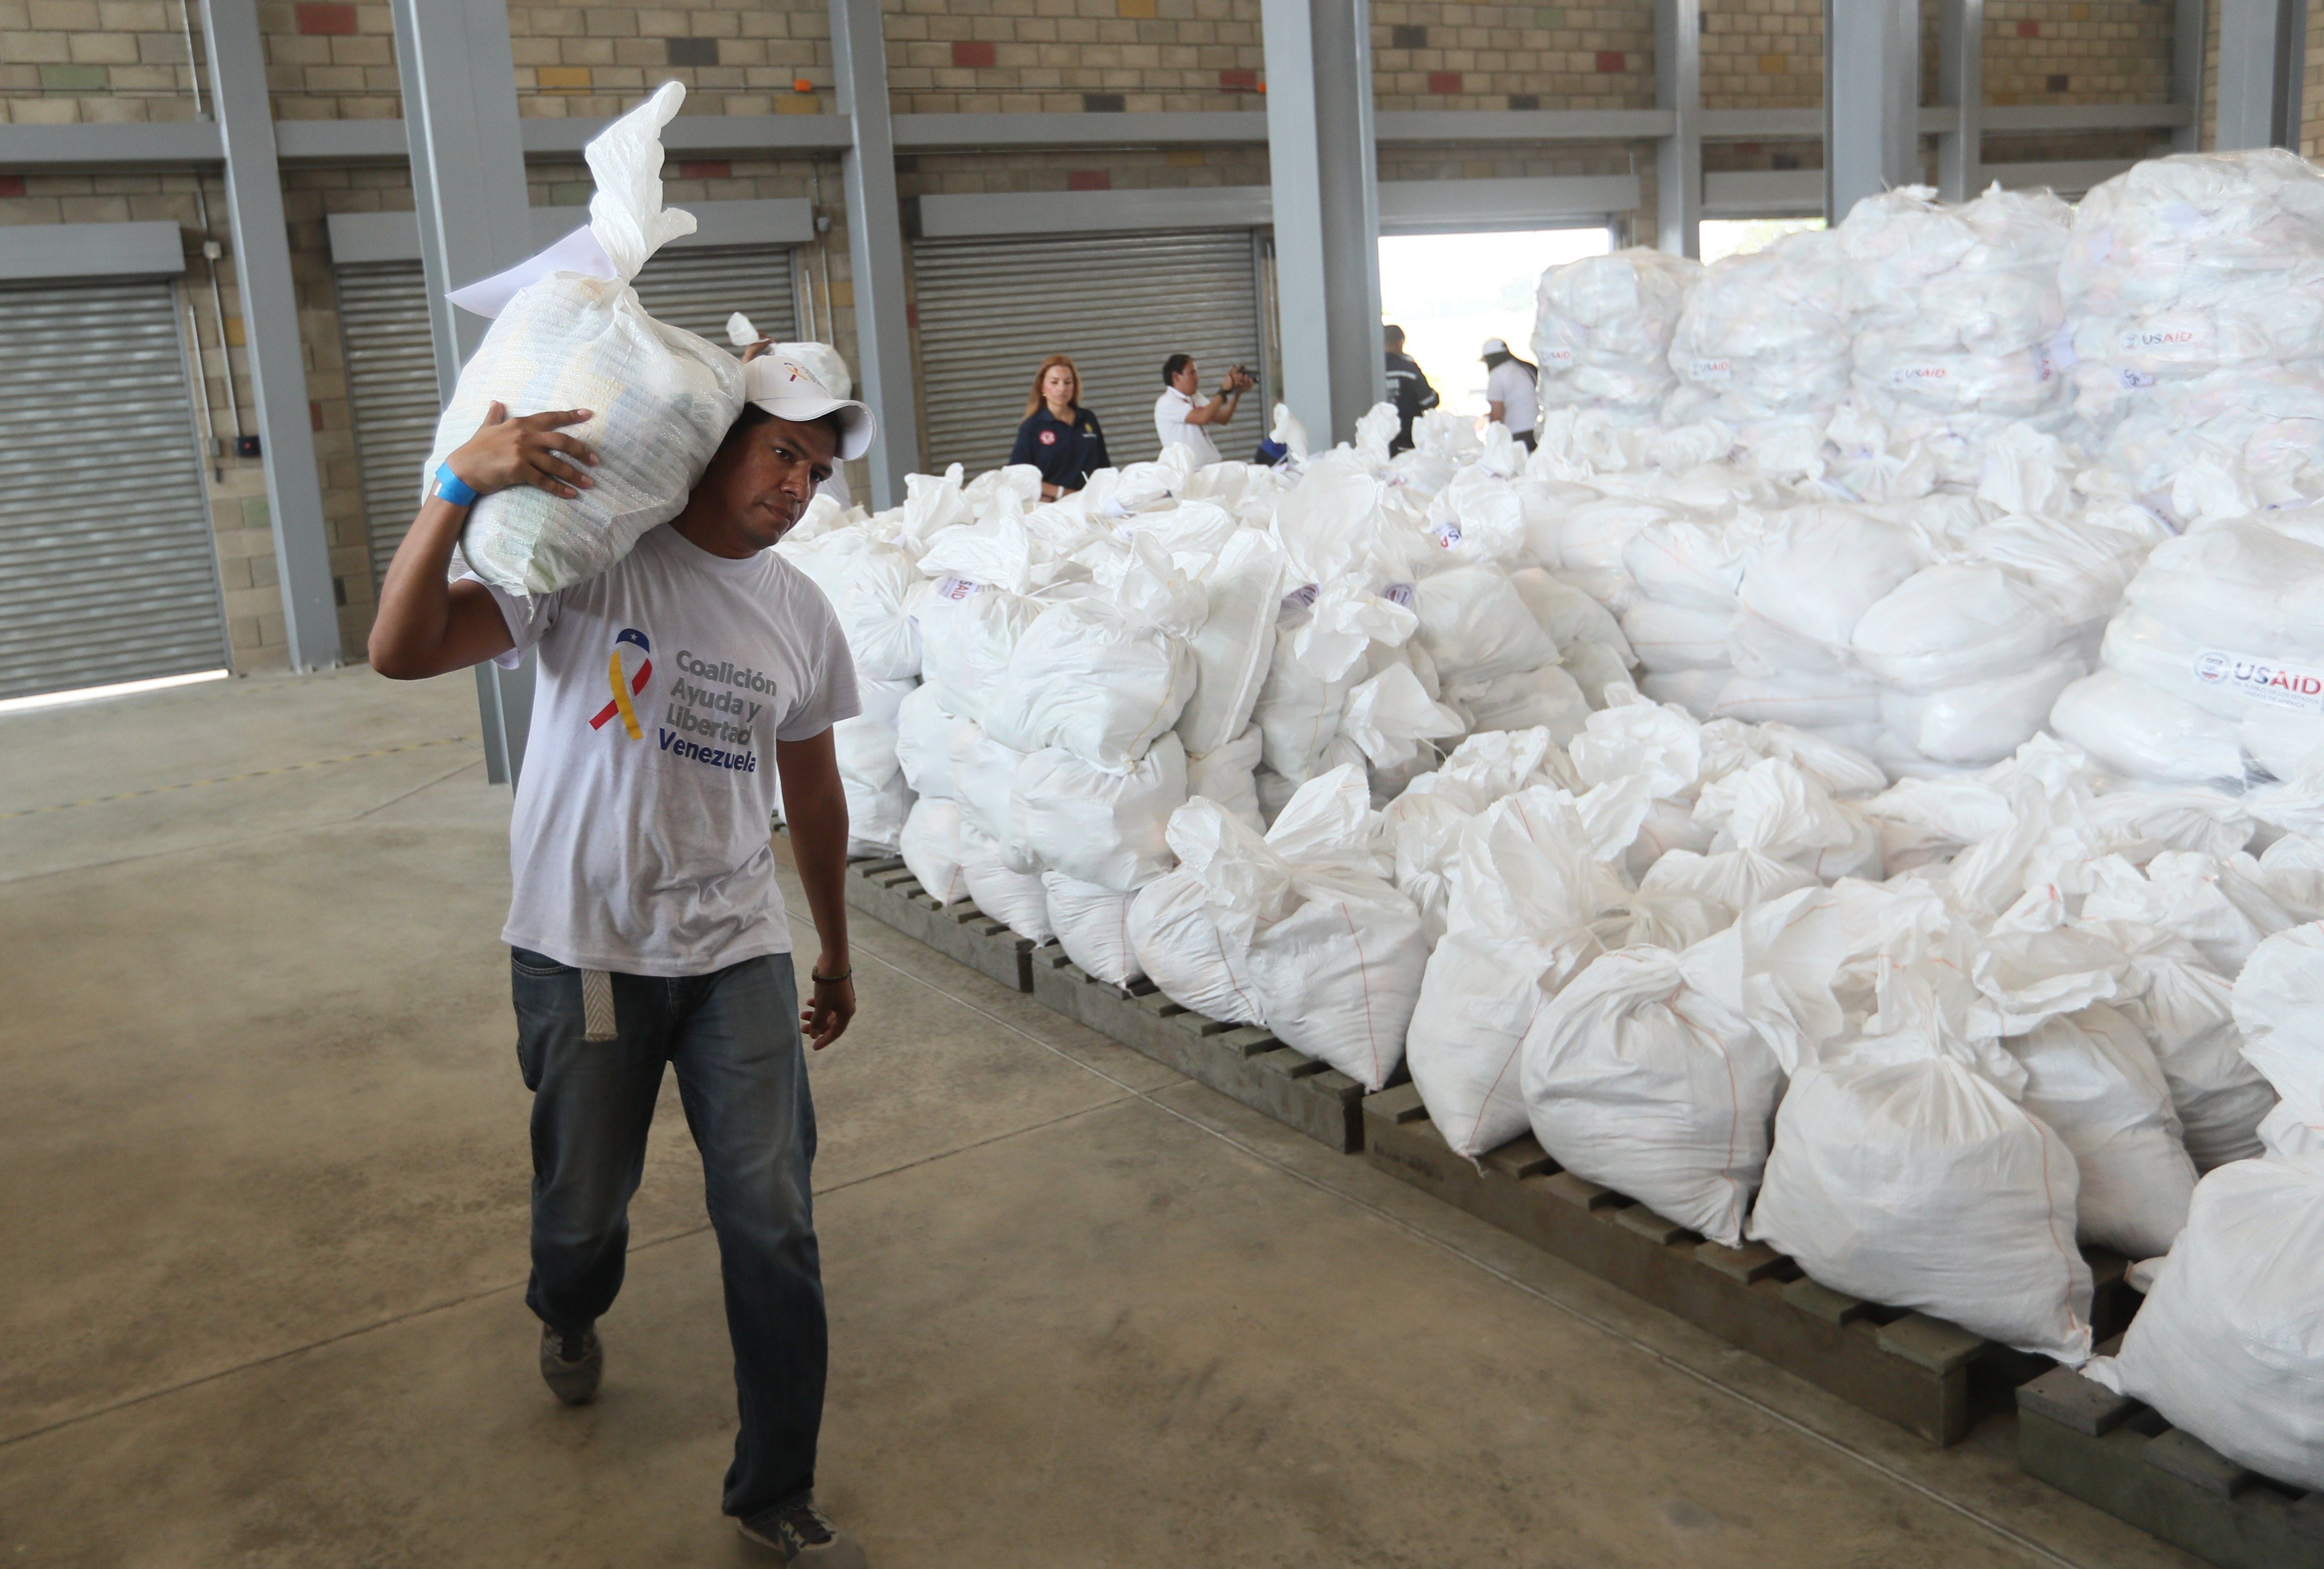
[
  {"x": 1636, "y": 1081},
  {"x": 661, "y": 400},
  {"x": 1917, "y": 1183},
  {"x": 2229, "y": 1344},
  {"x": 2091, "y": 1075},
  {"x": 1092, "y": 926}
]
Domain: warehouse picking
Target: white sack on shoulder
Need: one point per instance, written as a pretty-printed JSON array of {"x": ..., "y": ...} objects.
[
  {"x": 1636, "y": 1081},
  {"x": 661, "y": 400}
]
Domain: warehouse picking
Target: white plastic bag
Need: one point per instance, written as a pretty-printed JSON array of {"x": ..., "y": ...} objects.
[
  {"x": 1097, "y": 826},
  {"x": 1177, "y": 941},
  {"x": 1243, "y": 594},
  {"x": 1015, "y": 898},
  {"x": 1092, "y": 926},
  {"x": 930, "y": 844},
  {"x": 1521, "y": 892},
  {"x": 2229, "y": 1344},
  {"x": 2091, "y": 1075},
  {"x": 1903, "y": 1175},
  {"x": 1638, "y": 1082},
  {"x": 1229, "y": 776}
]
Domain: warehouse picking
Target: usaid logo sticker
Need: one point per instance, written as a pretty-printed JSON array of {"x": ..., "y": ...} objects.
[{"x": 2259, "y": 680}]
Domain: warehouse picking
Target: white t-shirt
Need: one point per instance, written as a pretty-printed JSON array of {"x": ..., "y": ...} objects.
[
  {"x": 1509, "y": 385},
  {"x": 640, "y": 843},
  {"x": 1170, "y": 412}
]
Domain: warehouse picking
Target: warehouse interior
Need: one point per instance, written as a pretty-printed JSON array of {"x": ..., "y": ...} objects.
[{"x": 266, "y": 1169}]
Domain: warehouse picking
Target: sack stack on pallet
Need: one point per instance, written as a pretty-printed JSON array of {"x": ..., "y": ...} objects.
[{"x": 1680, "y": 794}]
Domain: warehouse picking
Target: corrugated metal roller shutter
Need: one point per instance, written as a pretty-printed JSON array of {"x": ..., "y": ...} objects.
[
  {"x": 108, "y": 567},
  {"x": 392, "y": 367},
  {"x": 992, "y": 309}
]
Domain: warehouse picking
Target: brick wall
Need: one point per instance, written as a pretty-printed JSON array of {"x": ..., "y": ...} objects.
[
  {"x": 1762, "y": 54},
  {"x": 2085, "y": 51},
  {"x": 1597, "y": 55},
  {"x": 1073, "y": 56},
  {"x": 763, "y": 57}
]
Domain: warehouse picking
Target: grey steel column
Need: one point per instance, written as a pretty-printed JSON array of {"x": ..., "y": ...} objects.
[
  {"x": 875, "y": 246},
  {"x": 270, "y": 324},
  {"x": 1960, "y": 83},
  {"x": 1871, "y": 101},
  {"x": 459, "y": 76},
  {"x": 2187, "y": 40},
  {"x": 2262, "y": 47},
  {"x": 1678, "y": 158},
  {"x": 1326, "y": 207}
]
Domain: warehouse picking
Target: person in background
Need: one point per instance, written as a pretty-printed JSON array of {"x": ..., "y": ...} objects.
[
  {"x": 1059, "y": 436},
  {"x": 1509, "y": 390},
  {"x": 1408, "y": 388},
  {"x": 1183, "y": 421}
]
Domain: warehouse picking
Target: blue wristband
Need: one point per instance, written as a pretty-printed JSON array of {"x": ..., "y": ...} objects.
[{"x": 453, "y": 488}]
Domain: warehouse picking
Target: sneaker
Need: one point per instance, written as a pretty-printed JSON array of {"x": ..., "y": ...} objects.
[
  {"x": 801, "y": 1534},
  {"x": 571, "y": 1364}
]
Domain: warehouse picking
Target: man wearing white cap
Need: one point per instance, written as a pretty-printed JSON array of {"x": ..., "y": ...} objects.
[
  {"x": 1509, "y": 390},
  {"x": 645, "y": 927}
]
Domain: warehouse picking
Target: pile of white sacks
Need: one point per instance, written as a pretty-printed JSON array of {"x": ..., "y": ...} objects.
[
  {"x": 1061, "y": 699},
  {"x": 1697, "y": 792},
  {"x": 1901, "y": 472}
]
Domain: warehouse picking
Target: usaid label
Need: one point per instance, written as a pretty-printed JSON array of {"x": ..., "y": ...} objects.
[
  {"x": 2261, "y": 681},
  {"x": 1918, "y": 375},
  {"x": 1557, "y": 359},
  {"x": 957, "y": 588},
  {"x": 1702, "y": 370}
]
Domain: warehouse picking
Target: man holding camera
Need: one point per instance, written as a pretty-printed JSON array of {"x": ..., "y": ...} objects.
[{"x": 1181, "y": 416}]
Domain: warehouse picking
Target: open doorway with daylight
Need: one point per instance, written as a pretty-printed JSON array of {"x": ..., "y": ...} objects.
[{"x": 1451, "y": 292}]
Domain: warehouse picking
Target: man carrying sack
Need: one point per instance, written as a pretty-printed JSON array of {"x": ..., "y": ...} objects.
[{"x": 675, "y": 690}]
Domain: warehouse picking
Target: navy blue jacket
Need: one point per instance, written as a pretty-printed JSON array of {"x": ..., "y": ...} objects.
[{"x": 1068, "y": 454}]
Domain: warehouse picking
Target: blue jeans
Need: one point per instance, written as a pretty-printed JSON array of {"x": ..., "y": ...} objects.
[{"x": 734, "y": 1037}]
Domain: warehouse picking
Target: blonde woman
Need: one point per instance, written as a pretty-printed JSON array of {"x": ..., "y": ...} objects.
[{"x": 1059, "y": 436}]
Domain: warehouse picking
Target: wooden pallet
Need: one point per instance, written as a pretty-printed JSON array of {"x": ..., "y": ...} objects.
[
  {"x": 1921, "y": 1373},
  {"x": 886, "y": 890},
  {"x": 2121, "y": 1456},
  {"x": 1236, "y": 1060}
]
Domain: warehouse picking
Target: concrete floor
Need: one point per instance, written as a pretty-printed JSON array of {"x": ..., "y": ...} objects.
[{"x": 262, "y": 1176}]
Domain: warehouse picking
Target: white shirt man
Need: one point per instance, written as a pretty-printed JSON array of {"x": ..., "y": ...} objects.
[
  {"x": 1182, "y": 415},
  {"x": 1510, "y": 389},
  {"x": 1170, "y": 412}
]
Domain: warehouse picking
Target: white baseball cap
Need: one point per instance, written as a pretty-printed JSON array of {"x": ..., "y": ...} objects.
[
  {"x": 787, "y": 389},
  {"x": 1496, "y": 345}
]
